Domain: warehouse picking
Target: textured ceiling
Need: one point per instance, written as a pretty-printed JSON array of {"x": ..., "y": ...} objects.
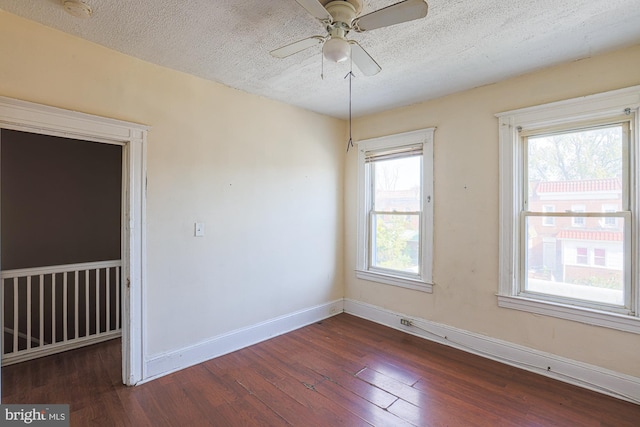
[{"x": 459, "y": 45}]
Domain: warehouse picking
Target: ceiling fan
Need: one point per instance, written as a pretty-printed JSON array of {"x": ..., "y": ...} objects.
[{"x": 339, "y": 18}]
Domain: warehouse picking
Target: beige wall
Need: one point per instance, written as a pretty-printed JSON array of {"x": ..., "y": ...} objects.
[
  {"x": 264, "y": 177},
  {"x": 466, "y": 212}
]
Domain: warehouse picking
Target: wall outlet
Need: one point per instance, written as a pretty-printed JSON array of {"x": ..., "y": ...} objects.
[{"x": 406, "y": 322}]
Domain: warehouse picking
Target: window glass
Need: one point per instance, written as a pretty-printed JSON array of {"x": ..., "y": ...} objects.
[
  {"x": 396, "y": 242},
  {"x": 397, "y": 185},
  {"x": 586, "y": 162},
  {"x": 395, "y": 215},
  {"x": 576, "y": 170}
]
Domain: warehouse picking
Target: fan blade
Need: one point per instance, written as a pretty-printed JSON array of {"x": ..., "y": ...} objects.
[
  {"x": 363, "y": 60},
  {"x": 315, "y": 8},
  {"x": 296, "y": 47},
  {"x": 404, "y": 11}
]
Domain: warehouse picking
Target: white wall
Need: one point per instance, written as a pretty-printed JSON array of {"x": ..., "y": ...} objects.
[
  {"x": 466, "y": 213},
  {"x": 264, "y": 177}
]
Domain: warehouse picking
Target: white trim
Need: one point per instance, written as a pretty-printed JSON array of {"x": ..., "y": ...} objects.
[
  {"x": 612, "y": 105},
  {"x": 612, "y": 383},
  {"x": 36, "y": 118},
  {"x": 426, "y": 138},
  {"x": 166, "y": 363},
  {"x": 590, "y": 107},
  {"x": 54, "y": 269},
  {"x": 568, "y": 312},
  {"x": 417, "y": 285}
]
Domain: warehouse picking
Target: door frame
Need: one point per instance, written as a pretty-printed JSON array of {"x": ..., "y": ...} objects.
[{"x": 42, "y": 119}]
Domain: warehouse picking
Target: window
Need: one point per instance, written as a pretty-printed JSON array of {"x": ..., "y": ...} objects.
[
  {"x": 577, "y": 153},
  {"x": 548, "y": 221},
  {"x": 395, "y": 209},
  {"x": 582, "y": 256},
  {"x": 578, "y": 221},
  {"x": 609, "y": 221},
  {"x": 599, "y": 257}
]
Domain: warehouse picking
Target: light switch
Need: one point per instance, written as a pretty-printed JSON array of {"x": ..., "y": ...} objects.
[{"x": 199, "y": 229}]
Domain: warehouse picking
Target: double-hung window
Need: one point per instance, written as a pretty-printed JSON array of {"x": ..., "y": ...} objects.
[
  {"x": 578, "y": 155},
  {"x": 395, "y": 209}
]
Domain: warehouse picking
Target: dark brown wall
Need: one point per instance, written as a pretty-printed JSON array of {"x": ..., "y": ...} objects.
[{"x": 60, "y": 200}]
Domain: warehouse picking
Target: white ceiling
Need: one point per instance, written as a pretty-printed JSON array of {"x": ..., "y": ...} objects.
[{"x": 459, "y": 45}]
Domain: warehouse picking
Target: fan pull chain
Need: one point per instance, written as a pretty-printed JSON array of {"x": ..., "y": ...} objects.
[{"x": 351, "y": 76}]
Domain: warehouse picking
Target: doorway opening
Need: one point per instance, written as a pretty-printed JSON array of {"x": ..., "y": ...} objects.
[
  {"x": 61, "y": 244},
  {"x": 129, "y": 140}
]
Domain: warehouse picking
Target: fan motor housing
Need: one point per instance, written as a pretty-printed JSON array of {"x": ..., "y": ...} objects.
[{"x": 341, "y": 11}]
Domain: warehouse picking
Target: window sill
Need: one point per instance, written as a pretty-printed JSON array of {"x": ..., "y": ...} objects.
[
  {"x": 578, "y": 314},
  {"x": 395, "y": 281}
]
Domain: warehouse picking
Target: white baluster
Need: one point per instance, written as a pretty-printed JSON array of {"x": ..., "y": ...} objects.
[
  {"x": 86, "y": 302},
  {"x": 108, "y": 301},
  {"x": 97, "y": 301},
  {"x": 16, "y": 325},
  {"x": 76, "y": 332},
  {"x": 53, "y": 308},
  {"x": 28, "y": 312},
  {"x": 65, "y": 311},
  {"x": 117, "y": 298},
  {"x": 41, "y": 310}
]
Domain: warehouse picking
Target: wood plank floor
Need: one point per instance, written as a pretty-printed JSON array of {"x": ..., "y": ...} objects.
[{"x": 343, "y": 371}]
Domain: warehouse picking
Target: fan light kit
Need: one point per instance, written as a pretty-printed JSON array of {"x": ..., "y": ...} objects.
[
  {"x": 336, "y": 49},
  {"x": 77, "y": 8},
  {"x": 340, "y": 17}
]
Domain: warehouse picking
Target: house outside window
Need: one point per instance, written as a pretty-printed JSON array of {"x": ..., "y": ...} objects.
[
  {"x": 580, "y": 156},
  {"x": 395, "y": 209}
]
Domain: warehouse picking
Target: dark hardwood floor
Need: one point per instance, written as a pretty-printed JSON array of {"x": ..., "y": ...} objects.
[{"x": 343, "y": 371}]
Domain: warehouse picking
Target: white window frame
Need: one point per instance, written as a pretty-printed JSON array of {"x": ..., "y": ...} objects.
[
  {"x": 363, "y": 270},
  {"x": 589, "y": 109}
]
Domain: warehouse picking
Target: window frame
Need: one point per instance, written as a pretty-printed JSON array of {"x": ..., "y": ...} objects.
[
  {"x": 589, "y": 110},
  {"x": 423, "y": 281}
]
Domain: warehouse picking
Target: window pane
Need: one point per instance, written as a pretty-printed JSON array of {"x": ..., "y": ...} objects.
[
  {"x": 582, "y": 168},
  {"x": 397, "y": 185},
  {"x": 549, "y": 220},
  {"x": 396, "y": 242},
  {"x": 585, "y": 263}
]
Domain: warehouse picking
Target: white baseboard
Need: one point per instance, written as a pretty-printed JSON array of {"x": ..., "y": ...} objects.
[
  {"x": 167, "y": 363},
  {"x": 592, "y": 377},
  {"x": 584, "y": 375}
]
